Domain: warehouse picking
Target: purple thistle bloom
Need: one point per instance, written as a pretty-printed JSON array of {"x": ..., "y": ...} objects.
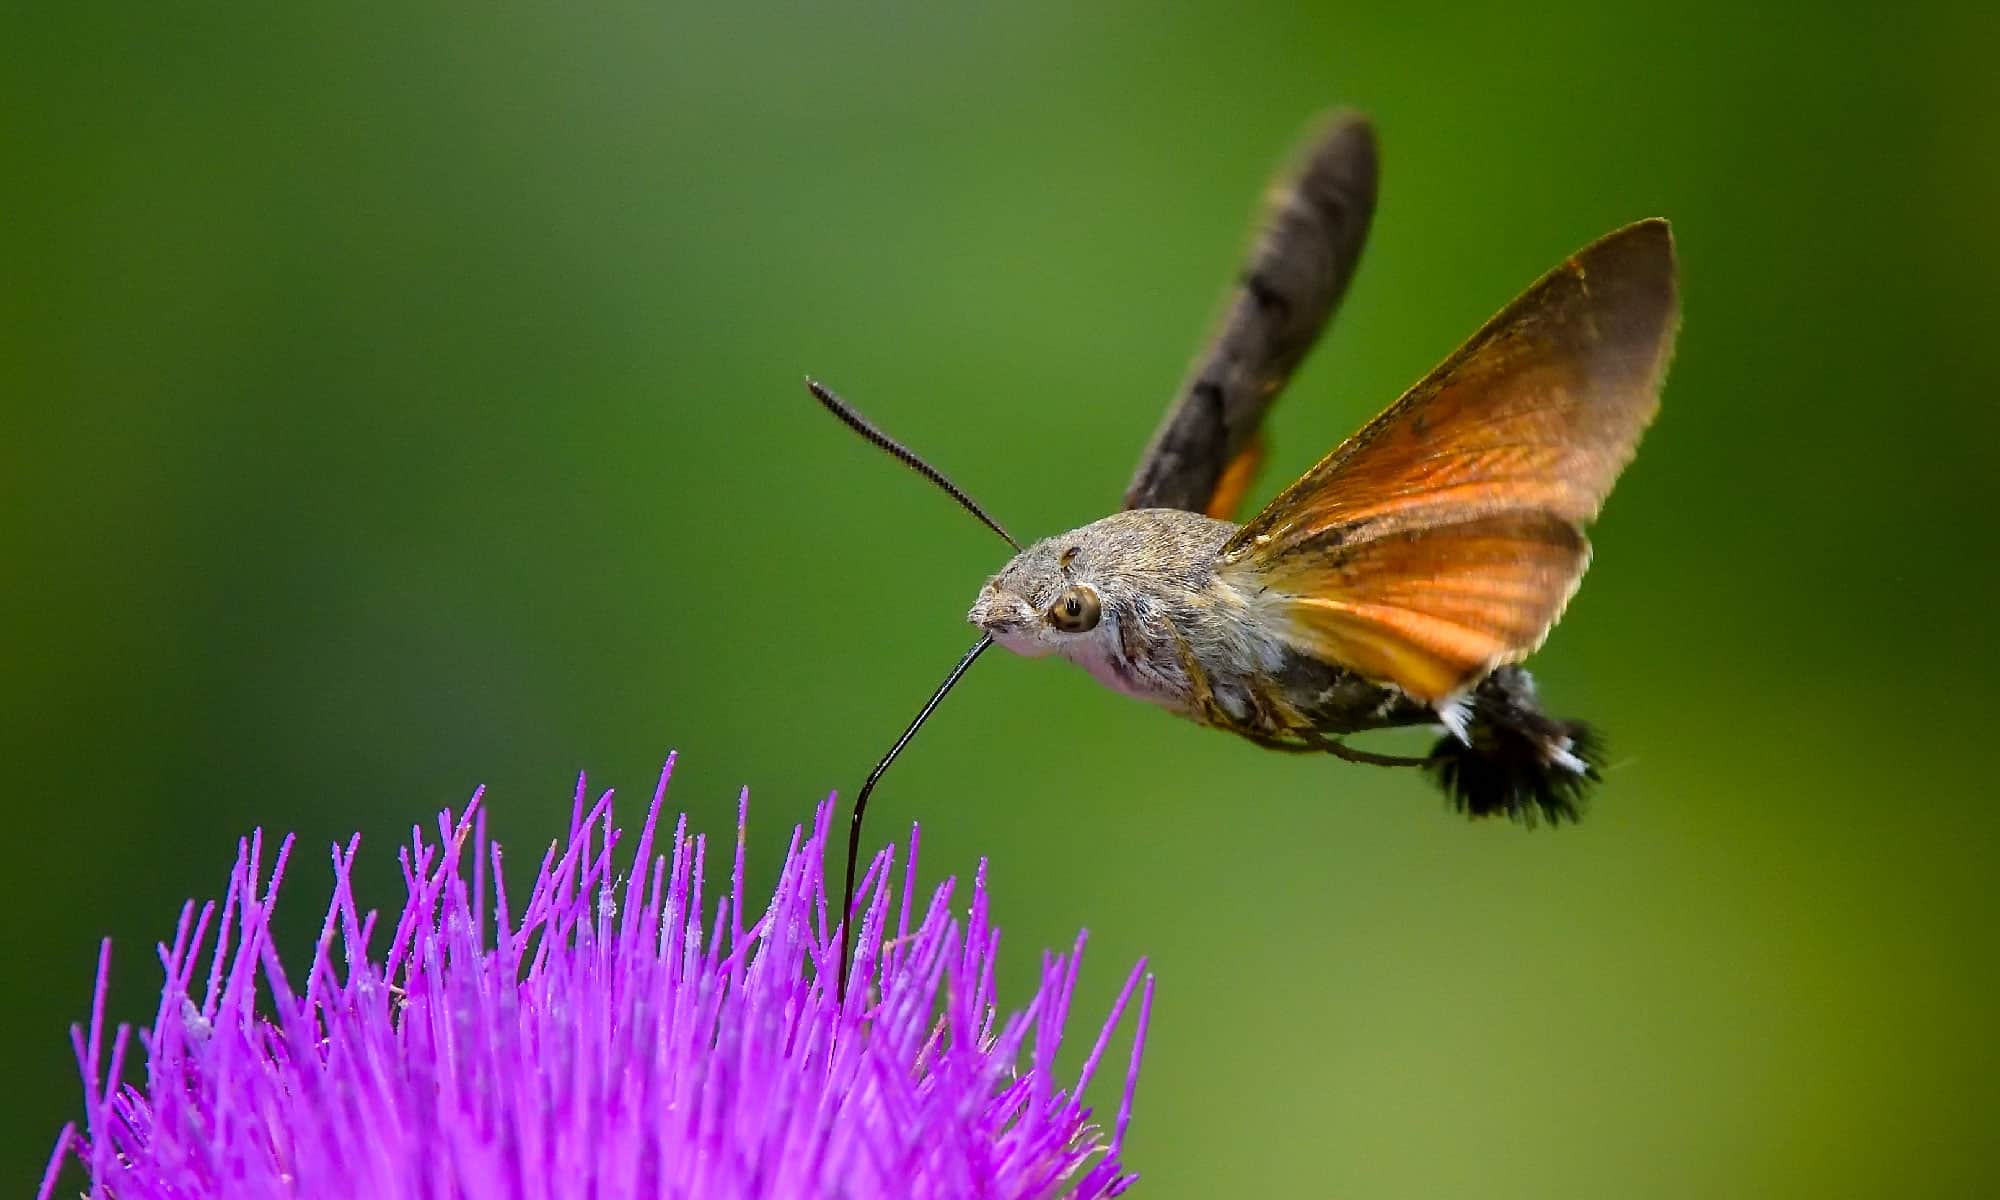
[{"x": 598, "y": 1044}]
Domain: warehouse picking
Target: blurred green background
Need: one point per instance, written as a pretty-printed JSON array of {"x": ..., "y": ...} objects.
[{"x": 396, "y": 401}]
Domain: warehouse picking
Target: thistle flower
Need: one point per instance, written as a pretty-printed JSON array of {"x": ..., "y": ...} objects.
[{"x": 604, "y": 1042}]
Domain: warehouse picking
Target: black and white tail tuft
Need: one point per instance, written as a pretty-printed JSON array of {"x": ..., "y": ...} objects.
[{"x": 1516, "y": 760}]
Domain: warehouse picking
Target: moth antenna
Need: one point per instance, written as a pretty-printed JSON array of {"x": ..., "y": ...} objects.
[
  {"x": 902, "y": 454},
  {"x": 861, "y": 797}
]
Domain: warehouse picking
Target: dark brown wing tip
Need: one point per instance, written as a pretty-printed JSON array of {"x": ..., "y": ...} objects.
[
  {"x": 1641, "y": 250},
  {"x": 1631, "y": 279},
  {"x": 1640, "y": 259}
]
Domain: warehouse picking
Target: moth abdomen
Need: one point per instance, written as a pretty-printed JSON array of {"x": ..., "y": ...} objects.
[{"x": 1516, "y": 760}]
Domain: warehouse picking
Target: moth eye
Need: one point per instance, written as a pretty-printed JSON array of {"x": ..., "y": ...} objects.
[{"x": 1075, "y": 611}]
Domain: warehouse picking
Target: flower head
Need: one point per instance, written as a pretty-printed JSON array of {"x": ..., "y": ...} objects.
[{"x": 613, "y": 1039}]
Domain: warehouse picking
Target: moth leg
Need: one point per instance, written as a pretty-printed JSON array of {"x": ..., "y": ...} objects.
[
  {"x": 1272, "y": 743},
  {"x": 1346, "y": 753},
  {"x": 1200, "y": 694},
  {"x": 1322, "y": 744},
  {"x": 1197, "y": 679},
  {"x": 1270, "y": 711}
]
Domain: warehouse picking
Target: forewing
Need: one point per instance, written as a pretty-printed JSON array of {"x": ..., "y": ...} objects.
[
  {"x": 1319, "y": 217},
  {"x": 1445, "y": 537}
]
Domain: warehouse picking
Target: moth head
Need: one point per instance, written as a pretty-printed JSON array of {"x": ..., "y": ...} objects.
[{"x": 1044, "y": 601}]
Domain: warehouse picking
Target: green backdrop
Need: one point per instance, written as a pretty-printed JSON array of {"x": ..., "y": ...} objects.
[{"x": 394, "y": 401}]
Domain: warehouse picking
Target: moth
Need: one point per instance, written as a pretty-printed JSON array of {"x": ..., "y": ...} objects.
[{"x": 1403, "y": 578}]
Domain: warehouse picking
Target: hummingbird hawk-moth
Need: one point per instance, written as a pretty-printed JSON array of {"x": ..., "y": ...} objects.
[{"x": 1403, "y": 578}]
